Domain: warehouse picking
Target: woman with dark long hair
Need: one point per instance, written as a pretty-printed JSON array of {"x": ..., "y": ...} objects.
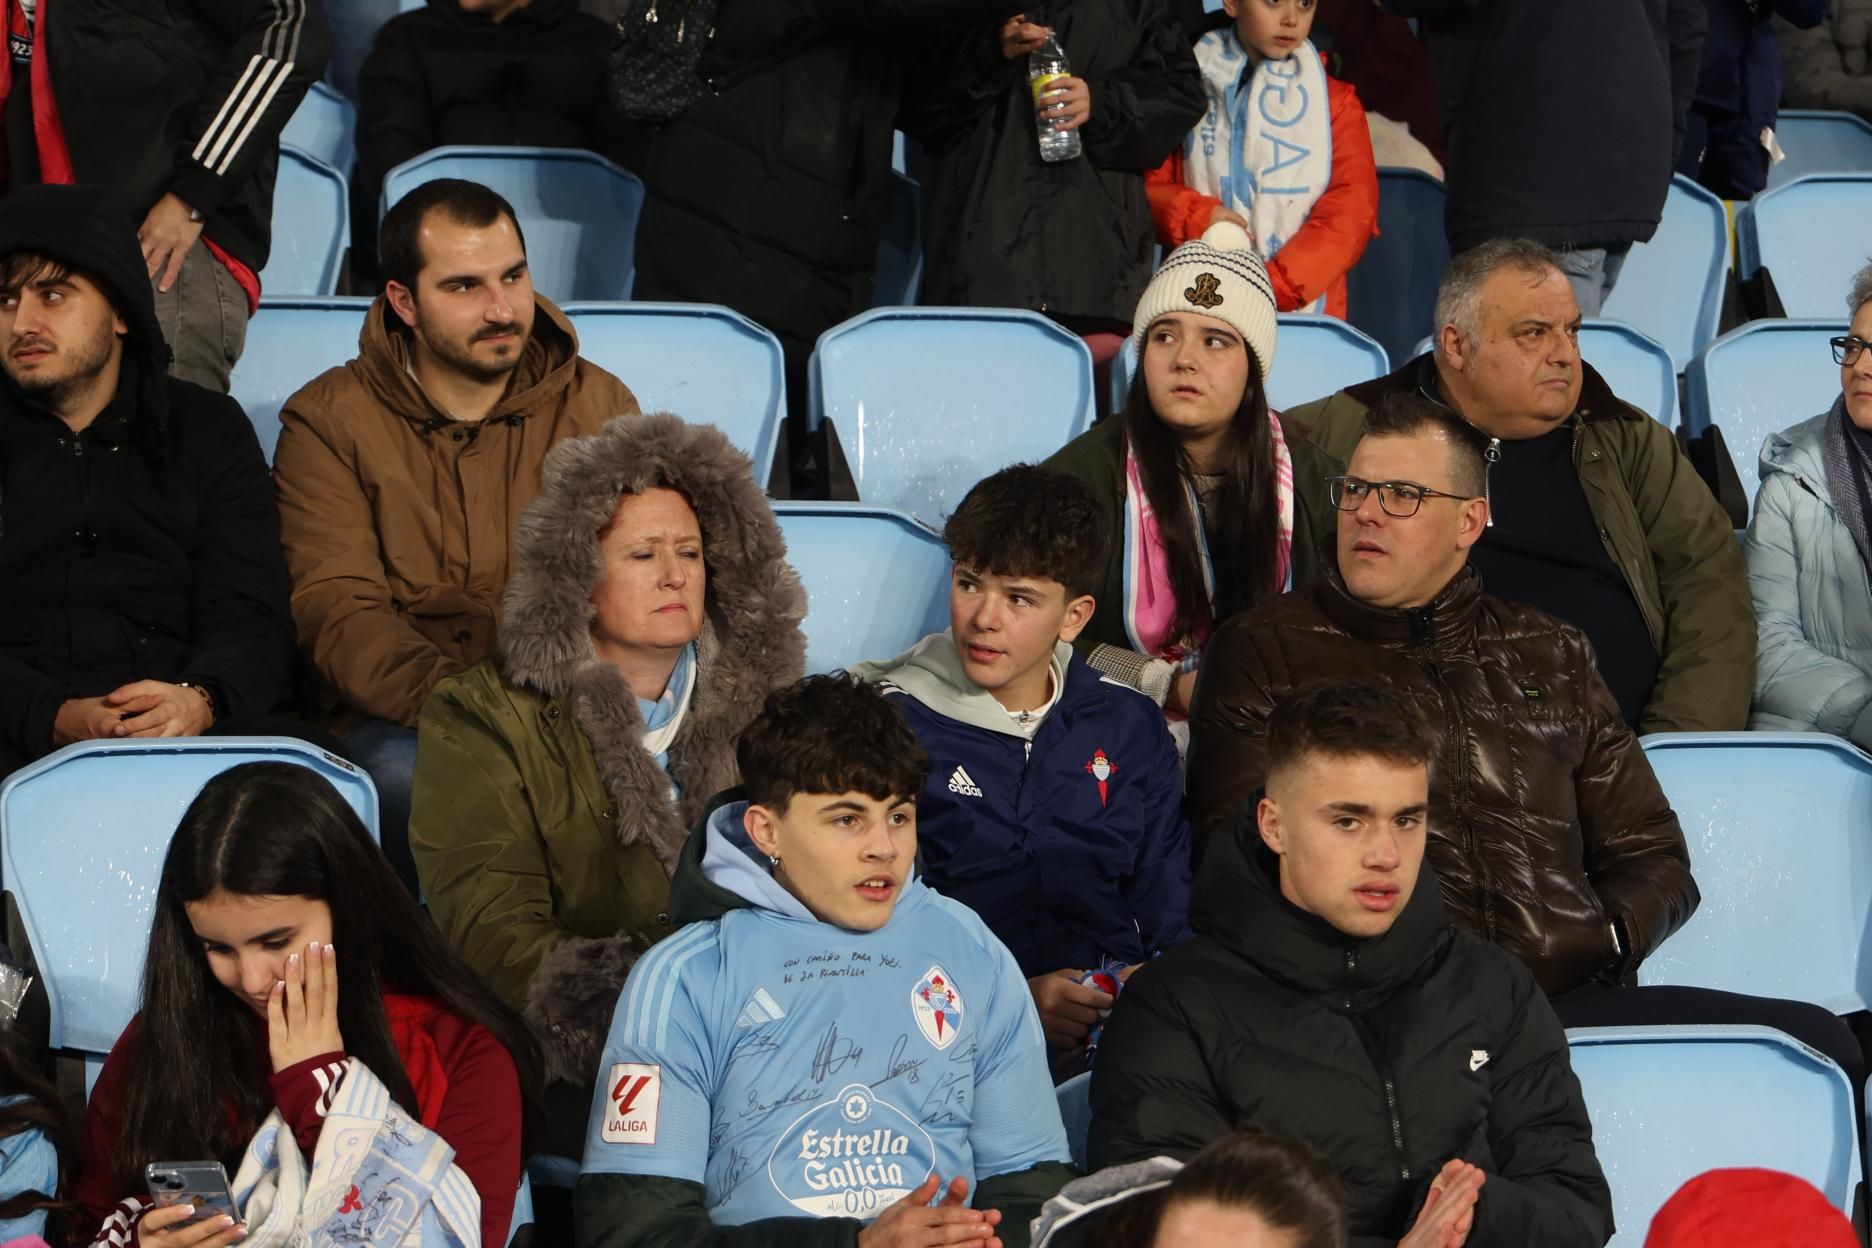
[
  {"x": 1195, "y": 473},
  {"x": 286, "y": 965}
]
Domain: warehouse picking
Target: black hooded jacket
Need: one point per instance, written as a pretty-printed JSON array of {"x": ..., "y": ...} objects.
[
  {"x": 438, "y": 76},
  {"x": 146, "y": 546},
  {"x": 1004, "y": 229},
  {"x": 1390, "y": 1055},
  {"x": 186, "y": 96}
]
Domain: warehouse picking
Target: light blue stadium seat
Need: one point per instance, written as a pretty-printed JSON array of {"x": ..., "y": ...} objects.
[
  {"x": 1818, "y": 141},
  {"x": 578, "y": 210},
  {"x": 1758, "y": 379},
  {"x": 899, "y": 273},
  {"x": 1671, "y": 288},
  {"x": 1812, "y": 234},
  {"x": 1075, "y": 1106},
  {"x": 82, "y": 838},
  {"x": 289, "y": 342},
  {"x": 1668, "y": 1103},
  {"x": 1776, "y": 824},
  {"x": 927, "y": 401},
  {"x": 324, "y": 126},
  {"x": 709, "y": 365},
  {"x": 877, "y": 582},
  {"x": 1637, "y": 367},
  {"x": 523, "y": 1208},
  {"x": 311, "y": 227},
  {"x": 1314, "y": 356},
  {"x": 1391, "y": 291}
]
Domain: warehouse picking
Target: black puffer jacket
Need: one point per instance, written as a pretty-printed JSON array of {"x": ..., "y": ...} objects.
[
  {"x": 439, "y": 76},
  {"x": 1546, "y": 821},
  {"x": 186, "y": 96},
  {"x": 145, "y": 547},
  {"x": 768, "y": 194},
  {"x": 1390, "y": 1055},
  {"x": 1002, "y": 228},
  {"x": 1559, "y": 115}
]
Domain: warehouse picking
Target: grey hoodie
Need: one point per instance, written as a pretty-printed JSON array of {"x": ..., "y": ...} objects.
[
  {"x": 931, "y": 672},
  {"x": 1066, "y": 1220}
]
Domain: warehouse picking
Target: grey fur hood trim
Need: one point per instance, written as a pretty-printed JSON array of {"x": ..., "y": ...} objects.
[{"x": 750, "y": 644}]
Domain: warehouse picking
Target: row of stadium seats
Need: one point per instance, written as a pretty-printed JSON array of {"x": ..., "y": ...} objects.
[{"x": 1787, "y": 895}]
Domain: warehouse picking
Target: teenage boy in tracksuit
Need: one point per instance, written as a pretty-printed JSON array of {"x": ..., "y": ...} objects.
[
  {"x": 1054, "y": 806},
  {"x": 827, "y": 1046}
]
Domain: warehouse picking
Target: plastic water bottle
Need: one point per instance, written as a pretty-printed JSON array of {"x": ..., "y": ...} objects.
[{"x": 1045, "y": 64}]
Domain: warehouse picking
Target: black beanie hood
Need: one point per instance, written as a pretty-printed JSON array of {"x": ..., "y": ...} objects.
[{"x": 91, "y": 232}]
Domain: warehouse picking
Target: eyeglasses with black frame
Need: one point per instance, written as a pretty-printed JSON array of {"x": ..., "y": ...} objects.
[
  {"x": 1846, "y": 348},
  {"x": 1399, "y": 499}
]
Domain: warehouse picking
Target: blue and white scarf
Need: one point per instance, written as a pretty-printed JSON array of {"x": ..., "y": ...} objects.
[{"x": 1264, "y": 148}]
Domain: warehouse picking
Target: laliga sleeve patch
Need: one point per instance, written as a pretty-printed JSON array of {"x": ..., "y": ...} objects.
[{"x": 631, "y": 1106}]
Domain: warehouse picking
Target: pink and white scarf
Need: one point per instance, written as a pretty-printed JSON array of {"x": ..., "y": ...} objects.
[{"x": 1149, "y": 600}]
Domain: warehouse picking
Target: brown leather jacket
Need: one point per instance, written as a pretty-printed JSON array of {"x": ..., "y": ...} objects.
[
  {"x": 1546, "y": 821},
  {"x": 398, "y": 522}
]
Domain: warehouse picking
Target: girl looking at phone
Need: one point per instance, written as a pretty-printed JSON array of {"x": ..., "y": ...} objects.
[{"x": 282, "y": 945}]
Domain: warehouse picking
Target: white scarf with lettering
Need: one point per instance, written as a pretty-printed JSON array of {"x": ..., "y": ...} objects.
[{"x": 1264, "y": 147}]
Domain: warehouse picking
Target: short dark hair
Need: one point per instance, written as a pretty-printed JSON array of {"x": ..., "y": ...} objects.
[
  {"x": 20, "y": 269},
  {"x": 1405, "y": 413},
  {"x": 829, "y": 734},
  {"x": 399, "y": 247},
  {"x": 1031, "y": 521},
  {"x": 1280, "y": 1179},
  {"x": 1348, "y": 717}
]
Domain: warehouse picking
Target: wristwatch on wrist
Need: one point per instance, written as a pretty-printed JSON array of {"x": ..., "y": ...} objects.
[{"x": 205, "y": 695}]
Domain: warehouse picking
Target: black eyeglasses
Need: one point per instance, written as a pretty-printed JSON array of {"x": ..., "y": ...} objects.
[
  {"x": 1846, "y": 348},
  {"x": 1400, "y": 499}
]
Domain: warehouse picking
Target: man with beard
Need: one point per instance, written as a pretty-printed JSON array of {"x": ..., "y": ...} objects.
[
  {"x": 401, "y": 474},
  {"x": 140, "y": 571}
]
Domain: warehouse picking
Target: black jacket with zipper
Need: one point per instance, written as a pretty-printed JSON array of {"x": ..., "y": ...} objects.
[
  {"x": 146, "y": 546},
  {"x": 1390, "y": 1055},
  {"x": 183, "y": 96},
  {"x": 768, "y": 194},
  {"x": 1003, "y": 228}
]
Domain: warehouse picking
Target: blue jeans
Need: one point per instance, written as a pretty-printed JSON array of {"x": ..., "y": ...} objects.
[
  {"x": 387, "y": 752},
  {"x": 1593, "y": 272}
]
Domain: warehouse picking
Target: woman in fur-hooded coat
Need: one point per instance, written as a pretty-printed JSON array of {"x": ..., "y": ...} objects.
[{"x": 543, "y": 828}]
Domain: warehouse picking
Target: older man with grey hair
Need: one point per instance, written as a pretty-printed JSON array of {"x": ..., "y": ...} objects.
[{"x": 1598, "y": 517}]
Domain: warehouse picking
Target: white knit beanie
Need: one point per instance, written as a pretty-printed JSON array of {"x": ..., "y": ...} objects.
[{"x": 1217, "y": 275}]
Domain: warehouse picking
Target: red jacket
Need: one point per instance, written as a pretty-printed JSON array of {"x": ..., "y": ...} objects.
[
  {"x": 466, "y": 1086},
  {"x": 1315, "y": 260}
]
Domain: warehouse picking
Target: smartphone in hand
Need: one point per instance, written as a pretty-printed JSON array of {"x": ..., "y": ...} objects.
[{"x": 203, "y": 1184}]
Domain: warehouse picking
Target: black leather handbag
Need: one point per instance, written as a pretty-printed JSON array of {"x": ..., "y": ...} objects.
[{"x": 654, "y": 58}]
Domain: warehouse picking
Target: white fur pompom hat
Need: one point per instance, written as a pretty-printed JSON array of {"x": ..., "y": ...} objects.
[{"x": 1219, "y": 275}]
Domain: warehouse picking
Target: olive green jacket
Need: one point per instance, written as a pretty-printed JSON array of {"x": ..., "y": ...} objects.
[{"x": 1659, "y": 522}]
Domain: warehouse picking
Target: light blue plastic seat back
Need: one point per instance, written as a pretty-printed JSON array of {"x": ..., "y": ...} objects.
[
  {"x": 1075, "y": 1106},
  {"x": 1668, "y": 1103},
  {"x": 899, "y": 274},
  {"x": 928, "y": 401},
  {"x": 83, "y": 833},
  {"x": 578, "y": 210},
  {"x": 311, "y": 226},
  {"x": 523, "y": 1208},
  {"x": 1637, "y": 367},
  {"x": 1391, "y": 291},
  {"x": 1776, "y": 824},
  {"x": 1812, "y": 234},
  {"x": 289, "y": 342},
  {"x": 707, "y": 364},
  {"x": 1818, "y": 141},
  {"x": 1671, "y": 288},
  {"x": 1314, "y": 356},
  {"x": 877, "y": 582},
  {"x": 324, "y": 126},
  {"x": 1758, "y": 379}
]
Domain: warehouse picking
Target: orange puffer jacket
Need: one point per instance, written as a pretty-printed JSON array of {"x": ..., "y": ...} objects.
[{"x": 1315, "y": 261}]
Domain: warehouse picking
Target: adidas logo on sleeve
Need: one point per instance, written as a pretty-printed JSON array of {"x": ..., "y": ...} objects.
[{"x": 959, "y": 782}]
